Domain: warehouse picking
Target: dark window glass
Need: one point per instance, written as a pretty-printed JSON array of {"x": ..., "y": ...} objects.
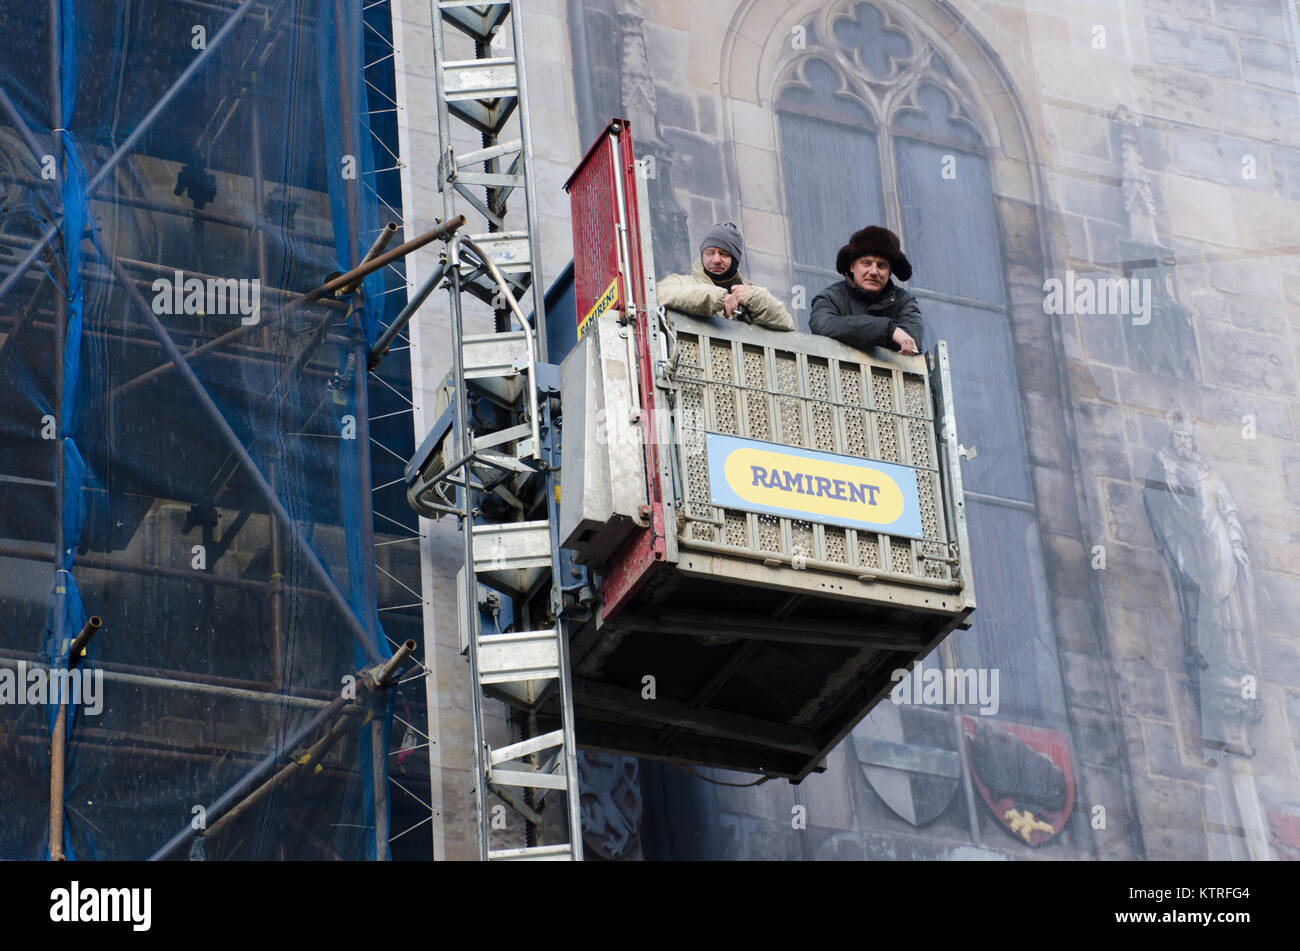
[
  {"x": 1012, "y": 629},
  {"x": 986, "y": 397},
  {"x": 829, "y": 158},
  {"x": 950, "y": 223}
]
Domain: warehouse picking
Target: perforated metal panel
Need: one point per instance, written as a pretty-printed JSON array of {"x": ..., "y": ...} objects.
[
  {"x": 802, "y": 541},
  {"x": 722, "y": 370},
  {"x": 758, "y": 425},
  {"x": 783, "y": 394},
  {"x": 856, "y": 424},
  {"x": 690, "y": 412},
  {"x": 837, "y": 546},
  {"x": 869, "y": 550},
  {"x": 788, "y": 409},
  {"x": 737, "y": 529},
  {"x": 595, "y": 253},
  {"x": 819, "y": 388},
  {"x": 882, "y": 395}
]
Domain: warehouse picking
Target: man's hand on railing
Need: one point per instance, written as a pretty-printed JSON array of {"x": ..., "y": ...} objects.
[{"x": 906, "y": 344}]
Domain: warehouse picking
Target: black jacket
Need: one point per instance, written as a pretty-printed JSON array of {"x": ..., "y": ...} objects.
[{"x": 847, "y": 314}]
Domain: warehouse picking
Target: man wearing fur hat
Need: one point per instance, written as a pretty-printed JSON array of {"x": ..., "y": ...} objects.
[
  {"x": 867, "y": 309},
  {"x": 714, "y": 288}
]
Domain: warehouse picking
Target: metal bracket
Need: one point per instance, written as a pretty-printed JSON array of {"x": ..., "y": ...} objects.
[{"x": 447, "y": 169}]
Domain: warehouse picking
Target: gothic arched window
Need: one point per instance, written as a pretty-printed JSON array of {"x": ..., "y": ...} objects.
[{"x": 875, "y": 128}]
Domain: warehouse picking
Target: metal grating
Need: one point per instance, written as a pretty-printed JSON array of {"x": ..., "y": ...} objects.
[
  {"x": 789, "y": 409},
  {"x": 855, "y": 430},
  {"x": 819, "y": 388},
  {"x": 737, "y": 529},
  {"x": 882, "y": 392},
  {"x": 929, "y": 511},
  {"x": 810, "y": 401},
  {"x": 692, "y": 412},
  {"x": 756, "y": 414},
  {"x": 592, "y": 197},
  {"x": 914, "y": 395},
  {"x": 936, "y": 570},
  {"x": 900, "y": 554},
  {"x": 869, "y": 550},
  {"x": 801, "y": 542},
  {"x": 837, "y": 548},
  {"x": 722, "y": 370},
  {"x": 702, "y": 531}
]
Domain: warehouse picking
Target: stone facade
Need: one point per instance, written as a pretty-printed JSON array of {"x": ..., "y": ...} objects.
[{"x": 1154, "y": 140}]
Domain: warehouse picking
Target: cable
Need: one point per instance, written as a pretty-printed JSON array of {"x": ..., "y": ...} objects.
[{"x": 721, "y": 782}]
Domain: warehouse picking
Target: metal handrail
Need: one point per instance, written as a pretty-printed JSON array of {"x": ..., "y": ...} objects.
[{"x": 453, "y": 258}]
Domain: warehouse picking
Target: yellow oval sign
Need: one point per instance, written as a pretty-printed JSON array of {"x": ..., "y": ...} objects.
[{"x": 836, "y": 490}]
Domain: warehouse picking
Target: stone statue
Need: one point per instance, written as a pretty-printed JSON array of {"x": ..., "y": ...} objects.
[
  {"x": 1165, "y": 342},
  {"x": 640, "y": 100},
  {"x": 1135, "y": 184},
  {"x": 1198, "y": 532},
  {"x": 615, "y": 78}
]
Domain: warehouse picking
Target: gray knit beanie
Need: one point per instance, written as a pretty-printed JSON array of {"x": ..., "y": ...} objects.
[{"x": 727, "y": 237}]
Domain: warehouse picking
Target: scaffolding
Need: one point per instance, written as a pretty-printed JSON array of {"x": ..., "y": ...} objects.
[{"x": 203, "y": 437}]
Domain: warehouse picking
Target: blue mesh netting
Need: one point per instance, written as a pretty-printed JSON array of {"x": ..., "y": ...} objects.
[{"x": 178, "y": 174}]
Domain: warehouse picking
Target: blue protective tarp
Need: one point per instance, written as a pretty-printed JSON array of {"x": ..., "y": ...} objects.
[{"x": 219, "y": 157}]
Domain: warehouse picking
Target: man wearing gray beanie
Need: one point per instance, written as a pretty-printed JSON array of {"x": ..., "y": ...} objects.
[{"x": 714, "y": 288}]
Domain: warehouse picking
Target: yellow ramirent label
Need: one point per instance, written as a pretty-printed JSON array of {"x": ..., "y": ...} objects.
[
  {"x": 603, "y": 304},
  {"x": 816, "y": 486}
]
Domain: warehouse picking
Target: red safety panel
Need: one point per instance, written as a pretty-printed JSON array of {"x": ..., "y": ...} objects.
[
  {"x": 593, "y": 201},
  {"x": 635, "y": 561},
  {"x": 593, "y": 195}
]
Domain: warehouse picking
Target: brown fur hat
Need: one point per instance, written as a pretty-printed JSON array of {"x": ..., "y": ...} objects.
[{"x": 877, "y": 241}]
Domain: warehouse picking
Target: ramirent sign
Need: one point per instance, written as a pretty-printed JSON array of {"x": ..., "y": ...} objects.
[
  {"x": 603, "y": 303},
  {"x": 817, "y": 486}
]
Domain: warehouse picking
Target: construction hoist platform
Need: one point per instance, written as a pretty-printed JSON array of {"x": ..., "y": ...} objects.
[{"x": 746, "y": 534}]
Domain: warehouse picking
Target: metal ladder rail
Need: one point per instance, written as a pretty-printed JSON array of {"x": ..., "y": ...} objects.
[
  {"x": 515, "y": 662},
  {"x": 482, "y": 95}
]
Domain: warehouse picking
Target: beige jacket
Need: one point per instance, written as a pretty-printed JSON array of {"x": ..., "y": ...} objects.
[{"x": 698, "y": 296}]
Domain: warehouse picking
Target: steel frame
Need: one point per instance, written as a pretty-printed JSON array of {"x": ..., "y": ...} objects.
[{"x": 483, "y": 95}]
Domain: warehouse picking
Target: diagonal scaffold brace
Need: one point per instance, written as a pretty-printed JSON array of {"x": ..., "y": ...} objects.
[
  {"x": 246, "y": 793},
  {"x": 354, "y": 624},
  {"x": 177, "y": 360},
  {"x": 128, "y": 143},
  {"x": 340, "y": 284}
]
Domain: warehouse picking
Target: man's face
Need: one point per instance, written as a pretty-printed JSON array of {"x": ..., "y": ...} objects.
[
  {"x": 716, "y": 261},
  {"x": 870, "y": 272}
]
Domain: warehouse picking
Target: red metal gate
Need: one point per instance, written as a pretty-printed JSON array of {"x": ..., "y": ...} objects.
[{"x": 608, "y": 277}]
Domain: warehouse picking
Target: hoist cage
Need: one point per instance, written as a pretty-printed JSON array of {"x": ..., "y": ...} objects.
[{"x": 766, "y": 636}]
